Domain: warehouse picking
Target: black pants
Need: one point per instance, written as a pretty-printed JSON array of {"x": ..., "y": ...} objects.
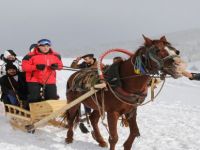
[{"x": 49, "y": 91}]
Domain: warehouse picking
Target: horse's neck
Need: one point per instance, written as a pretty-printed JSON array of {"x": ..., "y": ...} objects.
[{"x": 131, "y": 81}]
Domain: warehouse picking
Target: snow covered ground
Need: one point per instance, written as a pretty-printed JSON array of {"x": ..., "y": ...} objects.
[{"x": 171, "y": 122}]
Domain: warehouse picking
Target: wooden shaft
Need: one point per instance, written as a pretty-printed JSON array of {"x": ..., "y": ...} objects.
[{"x": 63, "y": 109}]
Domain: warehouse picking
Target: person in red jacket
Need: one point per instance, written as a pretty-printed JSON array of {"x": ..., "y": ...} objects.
[{"x": 40, "y": 66}]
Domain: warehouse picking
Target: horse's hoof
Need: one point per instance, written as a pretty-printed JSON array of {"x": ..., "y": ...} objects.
[
  {"x": 68, "y": 141},
  {"x": 103, "y": 144}
]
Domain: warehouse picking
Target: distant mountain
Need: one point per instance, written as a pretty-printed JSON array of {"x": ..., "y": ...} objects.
[{"x": 188, "y": 42}]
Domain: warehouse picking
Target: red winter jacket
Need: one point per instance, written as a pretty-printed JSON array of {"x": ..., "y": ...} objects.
[{"x": 46, "y": 76}]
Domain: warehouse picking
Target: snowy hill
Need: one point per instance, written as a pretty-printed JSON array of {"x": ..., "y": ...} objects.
[{"x": 171, "y": 122}]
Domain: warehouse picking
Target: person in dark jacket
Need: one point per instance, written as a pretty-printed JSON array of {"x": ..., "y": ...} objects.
[
  {"x": 113, "y": 77},
  {"x": 192, "y": 76},
  {"x": 13, "y": 85},
  {"x": 117, "y": 59},
  {"x": 40, "y": 66},
  {"x": 88, "y": 62}
]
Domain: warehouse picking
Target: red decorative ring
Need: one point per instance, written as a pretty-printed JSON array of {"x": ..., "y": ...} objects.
[{"x": 100, "y": 66}]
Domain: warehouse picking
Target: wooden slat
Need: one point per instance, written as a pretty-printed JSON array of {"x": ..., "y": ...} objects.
[
  {"x": 16, "y": 108},
  {"x": 18, "y": 116}
]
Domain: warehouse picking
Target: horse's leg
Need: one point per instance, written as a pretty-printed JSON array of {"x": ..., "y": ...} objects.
[
  {"x": 72, "y": 114},
  {"x": 94, "y": 119},
  {"x": 112, "y": 124},
  {"x": 134, "y": 131}
]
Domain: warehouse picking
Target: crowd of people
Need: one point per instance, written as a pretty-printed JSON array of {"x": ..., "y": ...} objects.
[{"x": 33, "y": 79}]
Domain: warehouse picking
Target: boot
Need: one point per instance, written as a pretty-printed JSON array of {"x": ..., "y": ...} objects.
[
  {"x": 83, "y": 128},
  {"x": 123, "y": 92}
]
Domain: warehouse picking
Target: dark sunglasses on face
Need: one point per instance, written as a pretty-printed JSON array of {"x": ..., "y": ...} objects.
[{"x": 45, "y": 45}]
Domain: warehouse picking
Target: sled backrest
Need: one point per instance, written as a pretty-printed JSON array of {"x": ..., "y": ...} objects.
[{"x": 17, "y": 112}]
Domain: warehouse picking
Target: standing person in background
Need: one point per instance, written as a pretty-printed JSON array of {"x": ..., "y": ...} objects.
[
  {"x": 113, "y": 77},
  {"x": 88, "y": 62},
  {"x": 40, "y": 66},
  {"x": 117, "y": 59},
  {"x": 32, "y": 47}
]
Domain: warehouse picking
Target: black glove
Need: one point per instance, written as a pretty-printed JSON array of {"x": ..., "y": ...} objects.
[
  {"x": 54, "y": 66},
  {"x": 195, "y": 76},
  {"x": 40, "y": 66}
]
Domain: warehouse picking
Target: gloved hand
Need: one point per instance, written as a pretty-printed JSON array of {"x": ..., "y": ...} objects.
[
  {"x": 195, "y": 76},
  {"x": 54, "y": 66},
  {"x": 40, "y": 66}
]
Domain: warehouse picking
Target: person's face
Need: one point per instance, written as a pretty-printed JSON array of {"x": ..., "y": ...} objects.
[
  {"x": 44, "y": 48},
  {"x": 10, "y": 57},
  {"x": 11, "y": 72},
  {"x": 88, "y": 60}
]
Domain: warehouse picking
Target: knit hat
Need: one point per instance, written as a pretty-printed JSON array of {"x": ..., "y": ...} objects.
[
  {"x": 44, "y": 42},
  {"x": 10, "y": 66}
]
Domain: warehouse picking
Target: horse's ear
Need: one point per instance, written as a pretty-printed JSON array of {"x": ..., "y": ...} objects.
[
  {"x": 147, "y": 40},
  {"x": 163, "y": 38}
]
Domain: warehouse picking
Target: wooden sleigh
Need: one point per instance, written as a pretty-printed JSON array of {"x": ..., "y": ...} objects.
[
  {"x": 44, "y": 112},
  {"x": 20, "y": 118}
]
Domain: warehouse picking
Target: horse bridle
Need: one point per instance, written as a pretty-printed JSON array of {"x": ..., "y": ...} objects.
[{"x": 150, "y": 54}]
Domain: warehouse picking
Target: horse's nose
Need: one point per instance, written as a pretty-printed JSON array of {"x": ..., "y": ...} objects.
[{"x": 177, "y": 52}]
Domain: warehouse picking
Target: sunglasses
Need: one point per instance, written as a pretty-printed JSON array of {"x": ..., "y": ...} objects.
[{"x": 44, "y": 45}]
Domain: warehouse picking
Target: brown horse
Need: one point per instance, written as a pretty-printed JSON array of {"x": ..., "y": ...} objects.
[{"x": 157, "y": 56}]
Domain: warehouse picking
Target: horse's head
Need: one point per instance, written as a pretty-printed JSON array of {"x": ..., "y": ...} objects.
[{"x": 159, "y": 56}]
